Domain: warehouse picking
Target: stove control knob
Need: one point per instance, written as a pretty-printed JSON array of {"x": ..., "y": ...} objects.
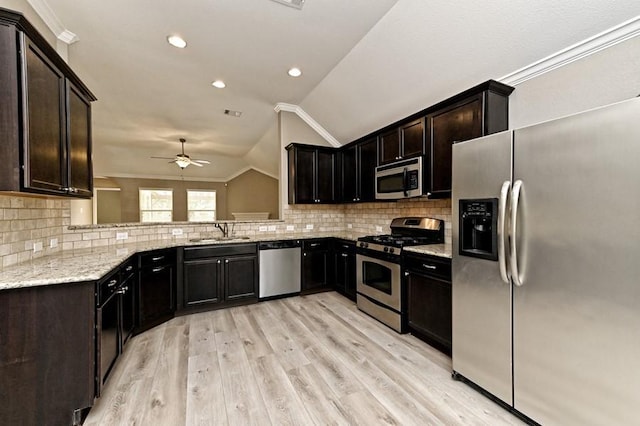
[
  {"x": 391, "y": 250},
  {"x": 386, "y": 249}
]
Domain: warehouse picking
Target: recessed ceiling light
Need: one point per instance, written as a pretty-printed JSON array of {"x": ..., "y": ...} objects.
[
  {"x": 219, "y": 84},
  {"x": 294, "y": 72},
  {"x": 177, "y": 41}
]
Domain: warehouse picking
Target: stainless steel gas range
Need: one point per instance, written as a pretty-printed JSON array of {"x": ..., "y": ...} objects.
[{"x": 378, "y": 263}]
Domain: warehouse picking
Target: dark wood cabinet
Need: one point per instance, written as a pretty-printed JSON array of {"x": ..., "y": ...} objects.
[
  {"x": 345, "y": 269},
  {"x": 312, "y": 174},
  {"x": 219, "y": 275},
  {"x": 156, "y": 288},
  {"x": 404, "y": 141},
  {"x": 128, "y": 288},
  {"x": 476, "y": 112},
  {"x": 427, "y": 280},
  {"x": 46, "y": 116},
  {"x": 317, "y": 265},
  {"x": 47, "y": 354},
  {"x": 358, "y": 168}
]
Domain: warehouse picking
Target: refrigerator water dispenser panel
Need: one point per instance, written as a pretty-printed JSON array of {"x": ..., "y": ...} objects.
[{"x": 479, "y": 228}]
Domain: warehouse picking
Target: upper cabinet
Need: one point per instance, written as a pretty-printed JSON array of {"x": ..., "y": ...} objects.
[
  {"x": 312, "y": 172},
  {"x": 46, "y": 116},
  {"x": 358, "y": 167},
  {"x": 404, "y": 141}
]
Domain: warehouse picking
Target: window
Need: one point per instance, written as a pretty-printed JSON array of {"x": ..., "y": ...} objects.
[
  {"x": 156, "y": 205},
  {"x": 201, "y": 205}
]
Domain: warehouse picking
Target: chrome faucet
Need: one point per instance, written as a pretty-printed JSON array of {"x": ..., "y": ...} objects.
[{"x": 224, "y": 228}]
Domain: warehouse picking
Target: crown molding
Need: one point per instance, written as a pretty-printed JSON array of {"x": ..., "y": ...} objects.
[
  {"x": 598, "y": 42},
  {"x": 49, "y": 17},
  {"x": 309, "y": 120}
]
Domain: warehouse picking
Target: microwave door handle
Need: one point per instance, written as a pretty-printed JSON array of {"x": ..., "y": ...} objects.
[{"x": 405, "y": 184}]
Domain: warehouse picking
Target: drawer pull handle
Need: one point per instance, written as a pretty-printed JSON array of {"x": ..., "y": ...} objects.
[
  {"x": 112, "y": 283},
  {"x": 128, "y": 268},
  {"x": 155, "y": 259},
  {"x": 429, "y": 266},
  {"x": 158, "y": 269},
  {"x": 344, "y": 255},
  {"x": 314, "y": 245}
]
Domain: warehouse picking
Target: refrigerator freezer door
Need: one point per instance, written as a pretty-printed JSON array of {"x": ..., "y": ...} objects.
[
  {"x": 481, "y": 300},
  {"x": 577, "y": 313}
]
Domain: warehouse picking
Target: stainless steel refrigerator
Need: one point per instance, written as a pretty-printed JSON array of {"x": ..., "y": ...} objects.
[{"x": 546, "y": 266}]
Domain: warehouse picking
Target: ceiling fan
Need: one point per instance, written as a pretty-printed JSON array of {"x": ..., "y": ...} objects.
[{"x": 183, "y": 160}]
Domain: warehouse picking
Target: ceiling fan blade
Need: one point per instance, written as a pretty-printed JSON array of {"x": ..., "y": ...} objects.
[
  {"x": 164, "y": 158},
  {"x": 196, "y": 164},
  {"x": 202, "y": 161},
  {"x": 172, "y": 161}
]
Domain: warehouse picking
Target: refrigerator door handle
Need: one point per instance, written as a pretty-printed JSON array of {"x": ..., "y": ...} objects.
[
  {"x": 502, "y": 235},
  {"x": 515, "y": 199}
]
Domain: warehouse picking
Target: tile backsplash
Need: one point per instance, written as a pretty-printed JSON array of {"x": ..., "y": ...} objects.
[{"x": 27, "y": 221}]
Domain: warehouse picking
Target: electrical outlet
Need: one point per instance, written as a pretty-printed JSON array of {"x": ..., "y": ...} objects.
[
  {"x": 378, "y": 228},
  {"x": 262, "y": 228},
  {"x": 37, "y": 246},
  {"x": 176, "y": 232},
  {"x": 53, "y": 243},
  {"x": 272, "y": 228},
  {"x": 290, "y": 227},
  {"x": 122, "y": 235},
  {"x": 309, "y": 226},
  {"x": 349, "y": 226}
]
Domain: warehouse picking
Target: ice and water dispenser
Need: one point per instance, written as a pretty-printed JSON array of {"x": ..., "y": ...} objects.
[{"x": 479, "y": 228}]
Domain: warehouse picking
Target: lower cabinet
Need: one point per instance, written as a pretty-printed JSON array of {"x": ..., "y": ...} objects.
[
  {"x": 219, "y": 275},
  {"x": 317, "y": 265},
  {"x": 156, "y": 288},
  {"x": 427, "y": 281},
  {"x": 345, "y": 259},
  {"x": 47, "y": 354}
]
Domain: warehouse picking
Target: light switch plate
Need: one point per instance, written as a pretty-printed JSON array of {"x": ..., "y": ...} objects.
[
  {"x": 262, "y": 228},
  {"x": 349, "y": 226},
  {"x": 176, "y": 232},
  {"x": 37, "y": 246},
  {"x": 309, "y": 226},
  {"x": 378, "y": 228},
  {"x": 272, "y": 228},
  {"x": 290, "y": 227},
  {"x": 122, "y": 235},
  {"x": 53, "y": 243}
]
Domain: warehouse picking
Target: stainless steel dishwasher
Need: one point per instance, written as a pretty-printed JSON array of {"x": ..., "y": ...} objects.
[{"x": 279, "y": 268}]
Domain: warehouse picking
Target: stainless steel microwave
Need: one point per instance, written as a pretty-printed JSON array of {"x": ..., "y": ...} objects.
[{"x": 402, "y": 179}]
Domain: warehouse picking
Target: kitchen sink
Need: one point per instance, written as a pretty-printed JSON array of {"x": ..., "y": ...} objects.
[{"x": 217, "y": 239}]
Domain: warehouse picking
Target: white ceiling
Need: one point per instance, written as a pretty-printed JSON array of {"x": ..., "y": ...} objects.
[{"x": 366, "y": 64}]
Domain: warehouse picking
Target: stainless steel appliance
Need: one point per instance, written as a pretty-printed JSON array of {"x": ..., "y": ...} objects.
[
  {"x": 279, "y": 268},
  {"x": 402, "y": 179},
  {"x": 546, "y": 301},
  {"x": 378, "y": 270}
]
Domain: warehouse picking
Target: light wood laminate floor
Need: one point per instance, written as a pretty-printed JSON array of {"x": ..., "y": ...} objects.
[{"x": 296, "y": 361}]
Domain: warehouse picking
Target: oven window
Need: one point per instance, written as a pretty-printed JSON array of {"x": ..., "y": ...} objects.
[
  {"x": 391, "y": 183},
  {"x": 376, "y": 276}
]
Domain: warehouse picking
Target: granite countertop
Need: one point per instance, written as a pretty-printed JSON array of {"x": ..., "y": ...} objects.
[
  {"x": 94, "y": 263},
  {"x": 91, "y": 264}
]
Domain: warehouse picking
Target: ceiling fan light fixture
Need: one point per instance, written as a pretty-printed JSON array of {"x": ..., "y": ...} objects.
[
  {"x": 182, "y": 162},
  {"x": 176, "y": 41}
]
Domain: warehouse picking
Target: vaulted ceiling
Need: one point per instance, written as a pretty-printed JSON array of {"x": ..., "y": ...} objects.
[{"x": 365, "y": 64}]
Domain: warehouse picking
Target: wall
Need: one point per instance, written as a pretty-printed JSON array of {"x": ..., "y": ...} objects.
[
  {"x": 253, "y": 191},
  {"x": 25, "y": 8}
]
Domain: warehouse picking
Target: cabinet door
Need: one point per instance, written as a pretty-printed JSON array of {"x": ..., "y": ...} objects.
[
  {"x": 202, "y": 281},
  {"x": 80, "y": 175},
  {"x": 45, "y": 162},
  {"x": 301, "y": 175},
  {"x": 368, "y": 160},
  {"x": 128, "y": 307},
  {"x": 413, "y": 139},
  {"x": 345, "y": 279},
  {"x": 241, "y": 277},
  {"x": 389, "y": 146},
  {"x": 317, "y": 264},
  {"x": 350, "y": 174},
  {"x": 325, "y": 172},
  {"x": 460, "y": 122},
  {"x": 429, "y": 308},
  {"x": 156, "y": 290}
]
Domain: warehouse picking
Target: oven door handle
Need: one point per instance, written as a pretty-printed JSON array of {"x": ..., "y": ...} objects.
[{"x": 405, "y": 183}]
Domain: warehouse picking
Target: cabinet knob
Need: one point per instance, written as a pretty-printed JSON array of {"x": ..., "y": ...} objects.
[
  {"x": 226, "y": 261},
  {"x": 219, "y": 261},
  {"x": 305, "y": 254},
  {"x": 406, "y": 274}
]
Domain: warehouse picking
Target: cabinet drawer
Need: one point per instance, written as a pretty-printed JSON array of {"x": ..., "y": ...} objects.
[
  {"x": 203, "y": 252},
  {"x": 429, "y": 265},
  {"x": 107, "y": 286},
  {"x": 312, "y": 245},
  {"x": 128, "y": 269},
  {"x": 155, "y": 258}
]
